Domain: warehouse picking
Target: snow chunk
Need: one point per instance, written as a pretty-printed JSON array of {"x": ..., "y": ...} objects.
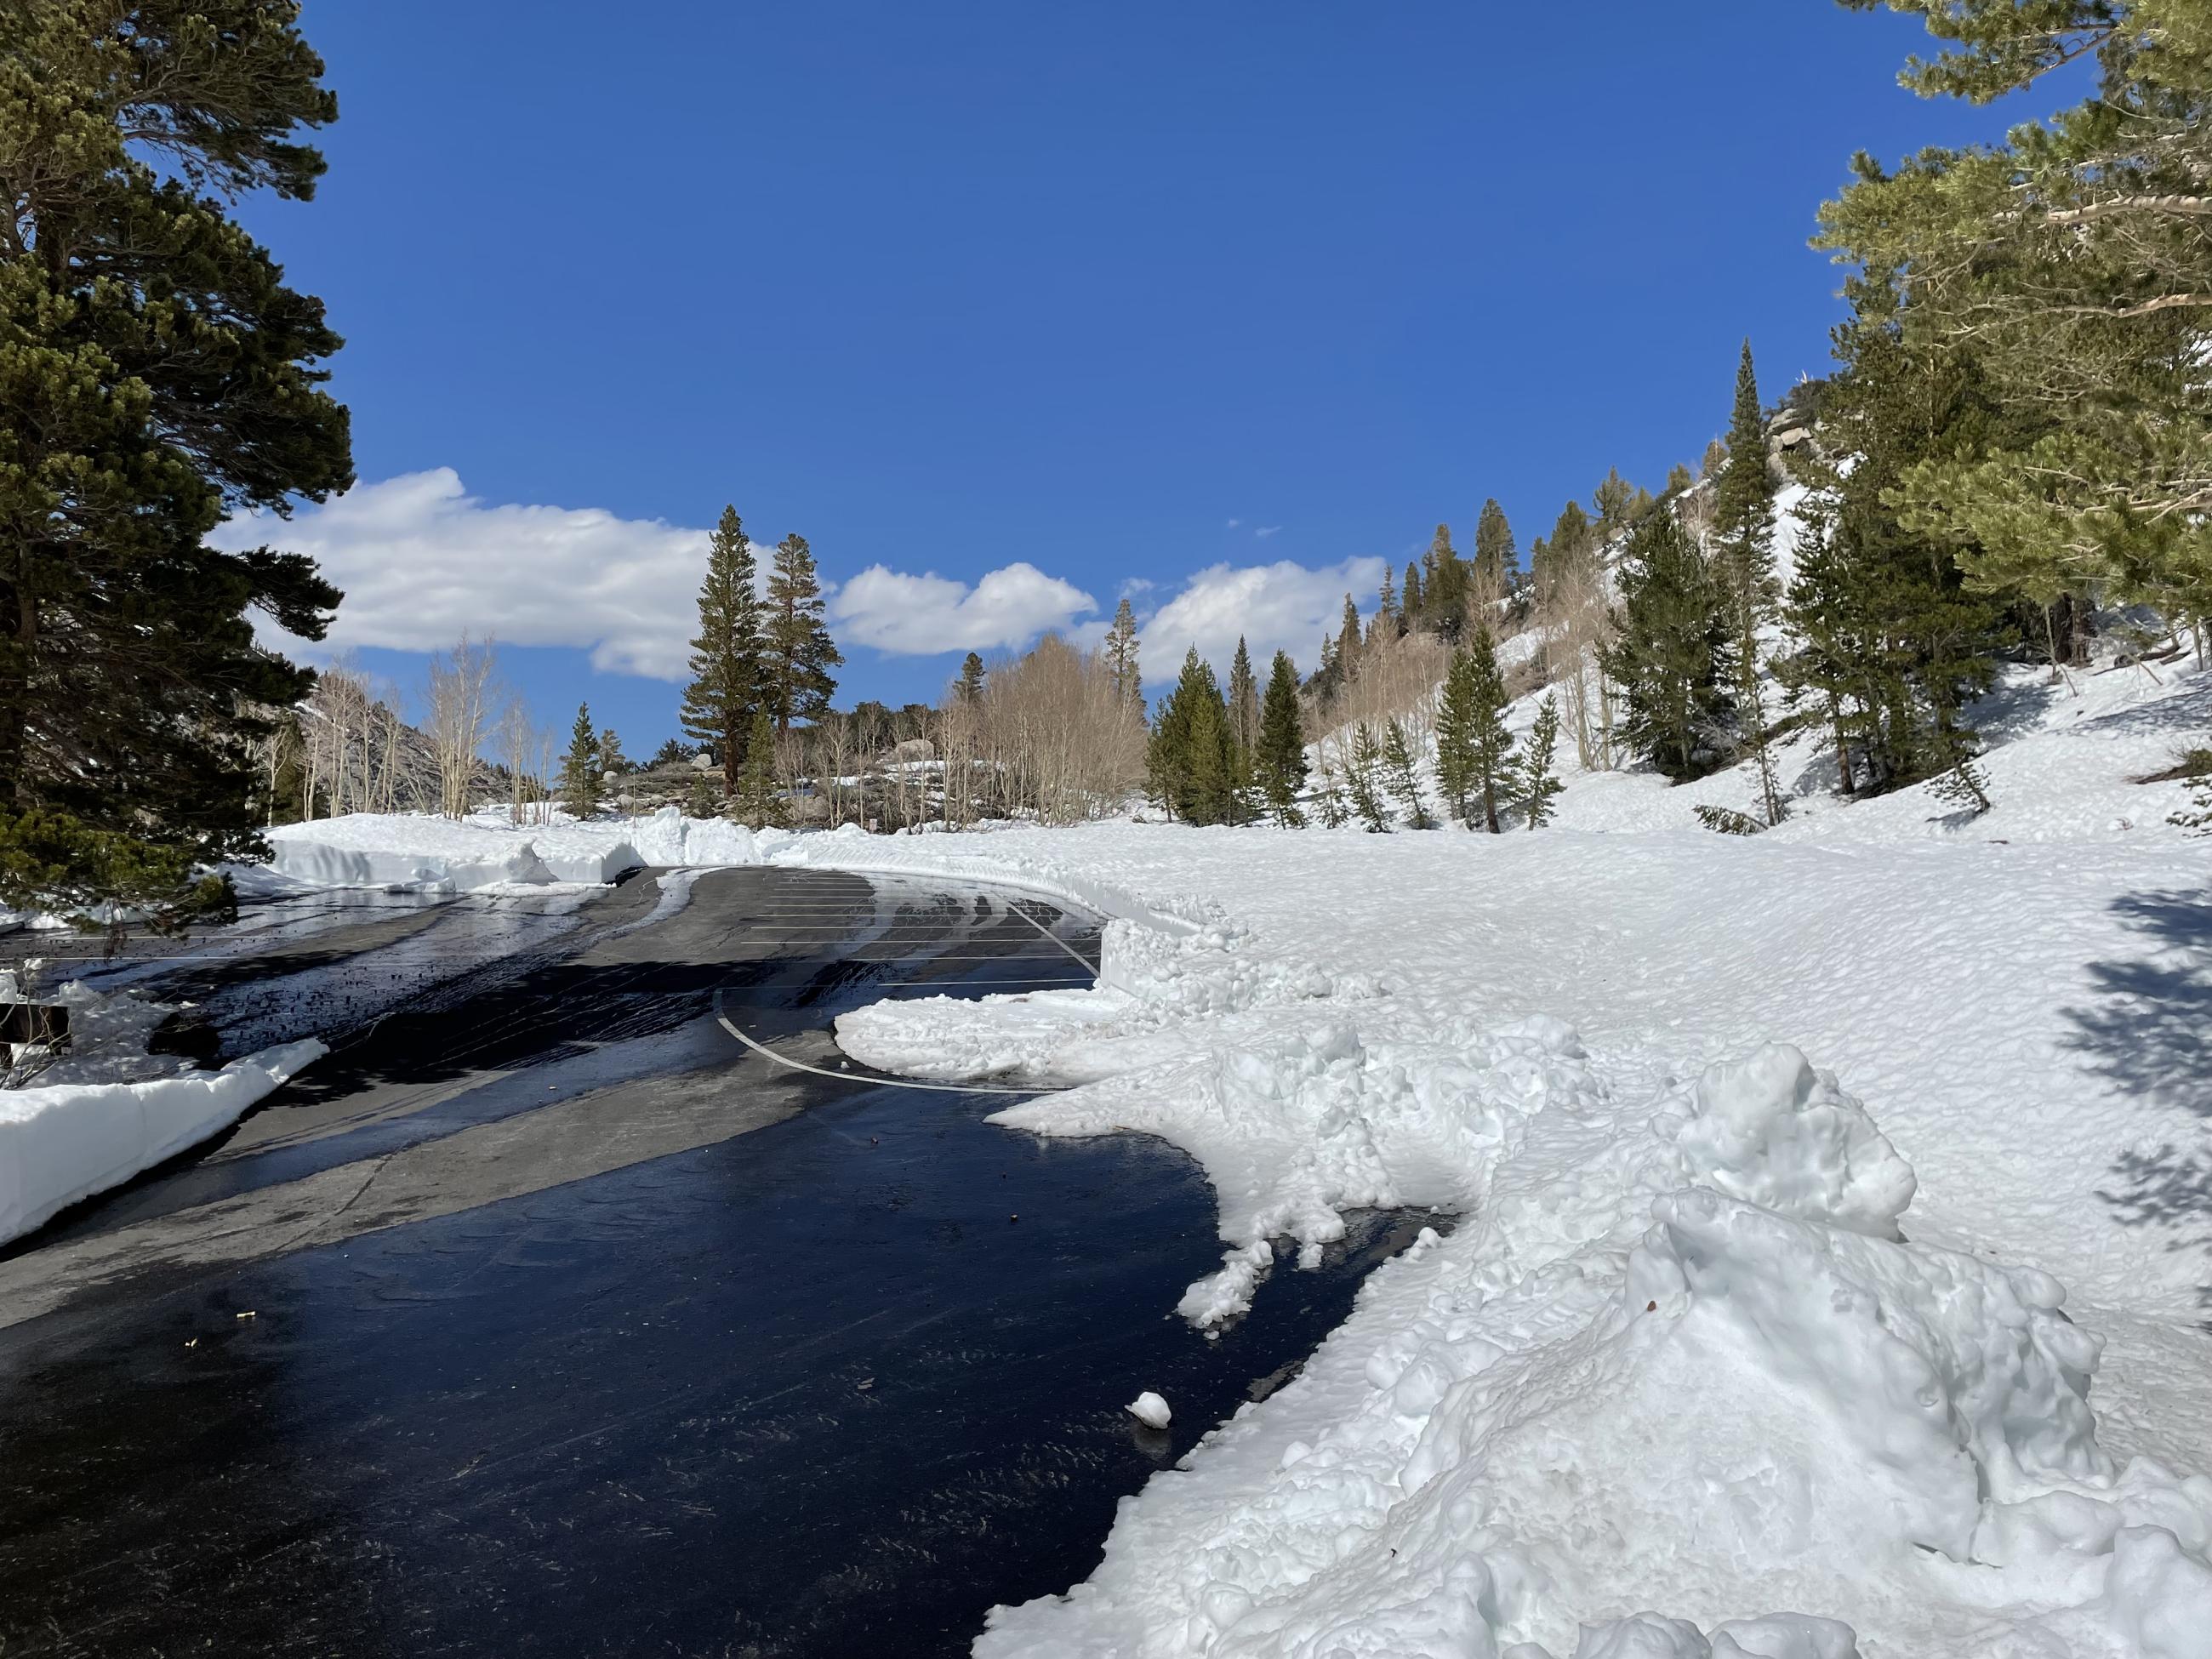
[
  {"x": 1222, "y": 1296},
  {"x": 66, "y": 1142},
  {"x": 1771, "y": 1130},
  {"x": 1150, "y": 1410},
  {"x": 1947, "y": 1380}
]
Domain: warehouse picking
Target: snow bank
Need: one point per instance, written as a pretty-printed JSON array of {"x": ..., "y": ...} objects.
[
  {"x": 366, "y": 849},
  {"x": 486, "y": 850},
  {"x": 68, "y": 1141},
  {"x": 1617, "y": 1387}
]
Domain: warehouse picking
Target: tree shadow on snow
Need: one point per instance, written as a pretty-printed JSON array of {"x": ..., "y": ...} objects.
[{"x": 2150, "y": 1032}]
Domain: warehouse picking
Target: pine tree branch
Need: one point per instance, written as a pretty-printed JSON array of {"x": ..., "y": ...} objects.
[{"x": 2192, "y": 207}]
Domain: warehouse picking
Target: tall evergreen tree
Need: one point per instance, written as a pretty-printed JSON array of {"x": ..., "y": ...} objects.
[
  {"x": 156, "y": 373},
  {"x": 1497, "y": 571},
  {"x": 1191, "y": 759},
  {"x": 1243, "y": 700},
  {"x": 1444, "y": 586},
  {"x": 728, "y": 657},
  {"x": 797, "y": 651},
  {"x": 1280, "y": 763},
  {"x": 1557, "y": 565},
  {"x": 756, "y": 789},
  {"x": 1348, "y": 643},
  {"x": 970, "y": 688},
  {"x": 579, "y": 767},
  {"x": 1474, "y": 751},
  {"x": 2072, "y": 261},
  {"x": 1670, "y": 658},
  {"x": 1743, "y": 545},
  {"x": 1122, "y": 656},
  {"x": 1893, "y": 642},
  {"x": 1539, "y": 785},
  {"x": 1415, "y": 601},
  {"x": 1404, "y": 787},
  {"x": 612, "y": 760}
]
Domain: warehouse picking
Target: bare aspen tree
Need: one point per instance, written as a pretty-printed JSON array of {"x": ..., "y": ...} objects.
[
  {"x": 1060, "y": 740},
  {"x": 518, "y": 739},
  {"x": 460, "y": 688}
]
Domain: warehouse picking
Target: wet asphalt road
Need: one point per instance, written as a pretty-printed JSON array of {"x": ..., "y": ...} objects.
[{"x": 544, "y": 1317}]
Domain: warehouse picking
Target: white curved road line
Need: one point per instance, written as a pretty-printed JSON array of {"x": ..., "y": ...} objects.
[
  {"x": 1087, "y": 967},
  {"x": 723, "y": 1020}
]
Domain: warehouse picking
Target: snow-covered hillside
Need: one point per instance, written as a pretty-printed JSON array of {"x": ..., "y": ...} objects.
[{"x": 1834, "y": 1206}]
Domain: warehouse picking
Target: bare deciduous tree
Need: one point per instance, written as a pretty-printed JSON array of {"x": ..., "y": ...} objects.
[{"x": 461, "y": 714}]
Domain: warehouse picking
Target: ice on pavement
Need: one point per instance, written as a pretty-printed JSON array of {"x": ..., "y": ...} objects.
[
  {"x": 1828, "y": 1271},
  {"x": 1150, "y": 1410}
]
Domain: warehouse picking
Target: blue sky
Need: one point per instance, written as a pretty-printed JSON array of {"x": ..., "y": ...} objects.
[{"x": 1219, "y": 304}]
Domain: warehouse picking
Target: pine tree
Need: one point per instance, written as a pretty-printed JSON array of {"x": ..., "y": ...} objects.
[
  {"x": 1243, "y": 700},
  {"x": 1892, "y": 642},
  {"x": 1122, "y": 656},
  {"x": 797, "y": 652},
  {"x": 1444, "y": 586},
  {"x": 1364, "y": 786},
  {"x": 1563, "y": 561},
  {"x": 2071, "y": 261},
  {"x": 757, "y": 792},
  {"x": 1615, "y": 503},
  {"x": 612, "y": 760},
  {"x": 1388, "y": 623},
  {"x": 1539, "y": 785},
  {"x": 580, "y": 768},
  {"x": 1671, "y": 657},
  {"x": 1415, "y": 601},
  {"x": 1398, "y": 757},
  {"x": 156, "y": 373},
  {"x": 703, "y": 797},
  {"x": 1743, "y": 544},
  {"x": 1211, "y": 782},
  {"x": 1348, "y": 643},
  {"x": 970, "y": 687},
  {"x": 1474, "y": 751},
  {"x": 1191, "y": 759},
  {"x": 1280, "y": 763},
  {"x": 728, "y": 667},
  {"x": 1497, "y": 561}
]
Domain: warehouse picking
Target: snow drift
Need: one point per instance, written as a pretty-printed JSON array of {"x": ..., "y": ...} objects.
[
  {"x": 68, "y": 1141},
  {"x": 1677, "y": 1354}
]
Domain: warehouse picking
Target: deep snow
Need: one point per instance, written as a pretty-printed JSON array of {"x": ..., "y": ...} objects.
[{"x": 1835, "y": 1204}]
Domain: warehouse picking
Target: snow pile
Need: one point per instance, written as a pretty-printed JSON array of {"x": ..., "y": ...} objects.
[
  {"x": 487, "y": 850},
  {"x": 1149, "y": 1409},
  {"x": 1150, "y": 981},
  {"x": 420, "y": 850},
  {"x": 1535, "y": 1431},
  {"x": 65, "y": 1142}
]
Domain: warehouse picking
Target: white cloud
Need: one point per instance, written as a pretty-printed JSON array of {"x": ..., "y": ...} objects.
[
  {"x": 421, "y": 560},
  {"x": 1267, "y": 530},
  {"x": 922, "y": 615},
  {"x": 1281, "y": 606}
]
